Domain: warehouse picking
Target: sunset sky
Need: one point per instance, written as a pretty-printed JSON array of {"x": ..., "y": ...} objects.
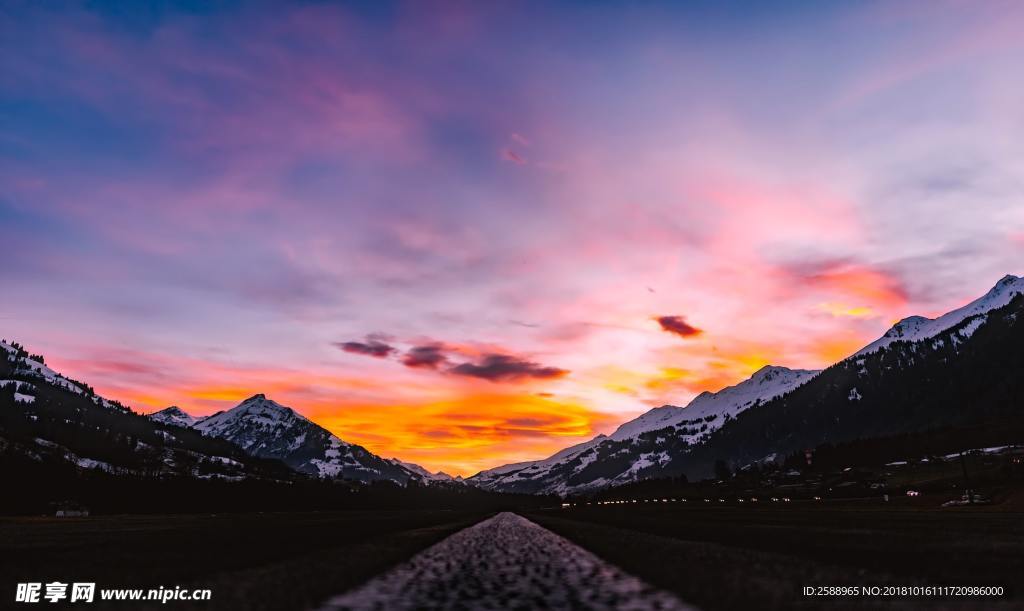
[{"x": 467, "y": 234}]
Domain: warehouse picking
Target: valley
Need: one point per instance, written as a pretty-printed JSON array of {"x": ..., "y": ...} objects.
[
  {"x": 901, "y": 465},
  {"x": 435, "y": 305}
]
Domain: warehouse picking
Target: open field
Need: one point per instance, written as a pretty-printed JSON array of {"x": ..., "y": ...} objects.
[
  {"x": 728, "y": 556},
  {"x": 250, "y": 561},
  {"x": 715, "y": 556}
]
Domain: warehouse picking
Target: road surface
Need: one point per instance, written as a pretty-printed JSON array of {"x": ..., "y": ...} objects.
[{"x": 505, "y": 562}]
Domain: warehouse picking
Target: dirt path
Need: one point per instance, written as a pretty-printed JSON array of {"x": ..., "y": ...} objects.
[{"x": 506, "y": 562}]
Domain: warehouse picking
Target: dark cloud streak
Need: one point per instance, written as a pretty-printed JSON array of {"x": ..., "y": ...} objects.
[
  {"x": 677, "y": 326},
  {"x": 427, "y": 356},
  {"x": 369, "y": 347},
  {"x": 506, "y": 368},
  {"x": 438, "y": 356}
]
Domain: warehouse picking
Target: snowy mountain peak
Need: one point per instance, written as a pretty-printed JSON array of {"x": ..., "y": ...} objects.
[
  {"x": 706, "y": 413},
  {"x": 1001, "y": 294},
  {"x": 256, "y": 407},
  {"x": 770, "y": 373},
  {"x": 916, "y": 328},
  {"x": 260, "y": 426},
  {"x": 259, "y": 417},
  {"x": 174, "y": 415},
  {"x": 260, "y": 403},
  {"x": 766, "y": 383},
  {"x": 907, "y": 327},
  {"x": 440, "y": 476},
  {"x": 265, "y": 428}
]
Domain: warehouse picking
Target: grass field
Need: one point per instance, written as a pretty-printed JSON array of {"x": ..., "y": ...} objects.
[
  {"x": 250, "y": 561},
  {"x": 760, "y": 556}
]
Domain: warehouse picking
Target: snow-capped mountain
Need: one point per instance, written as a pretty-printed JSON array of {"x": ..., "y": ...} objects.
[
  {"x": 691, "y": 424},
  {"x": 217, "y": 446},
  {"x": 917, "y": 328},
  {"x": 174, "y": 415},
  {"x": 491, "y": 479},
  {"x": 965, "y": 377},
  {"x": 31, "y": 369},
  {"x": 257, "y": 425},
  {"x": 264, "y": 428},
  {"x": 49, "y": 420},
  {"x": 427, "y": 476},
  {"x": 713, "y": 408},
  {"x": 508, "y": 477},
  {"x": 672, "y": 440}
]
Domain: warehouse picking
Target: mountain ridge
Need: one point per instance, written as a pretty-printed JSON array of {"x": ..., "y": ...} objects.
[
  {"x": 660, "y": 441},
  {"x": 174, "y": 415},
  {"x": 49, "y": 419},
  {"x": 265, "y": 428},
  {"x": 915, "y": 328},
  {"x": 172, "y": 444},
  {"x": 701, "y": 417},
  {"x": 680, "y": 428}
]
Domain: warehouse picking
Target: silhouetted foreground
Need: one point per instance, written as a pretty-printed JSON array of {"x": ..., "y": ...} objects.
[
  {"x": 506, "y": 562},
  {"x": 251, "y": 561},
  {"x": 42, "y": 487},
  {"x": 724, "y": 556}
]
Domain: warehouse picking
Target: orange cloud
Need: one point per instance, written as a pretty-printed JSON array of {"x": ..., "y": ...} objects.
[
  {"x": 675, "y": 386},
  {"x": 458, "y": 424},
  {"x": 683, "y": 371},
  {"x": 838, "y": 347},
  {"x": 712, "y": 376},
  {"x": 843, "y": 310},
  {"x": 465, "y": 434},
  {"x": 668, "y": 377},
  {"x": 871, "y": 286}
]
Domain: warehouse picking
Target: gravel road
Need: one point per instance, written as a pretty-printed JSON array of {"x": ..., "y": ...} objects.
[{"x": 506, "y": 562}]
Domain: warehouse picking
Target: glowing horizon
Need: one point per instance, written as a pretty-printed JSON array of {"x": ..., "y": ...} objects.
[{"x": 469, "y": 236}]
